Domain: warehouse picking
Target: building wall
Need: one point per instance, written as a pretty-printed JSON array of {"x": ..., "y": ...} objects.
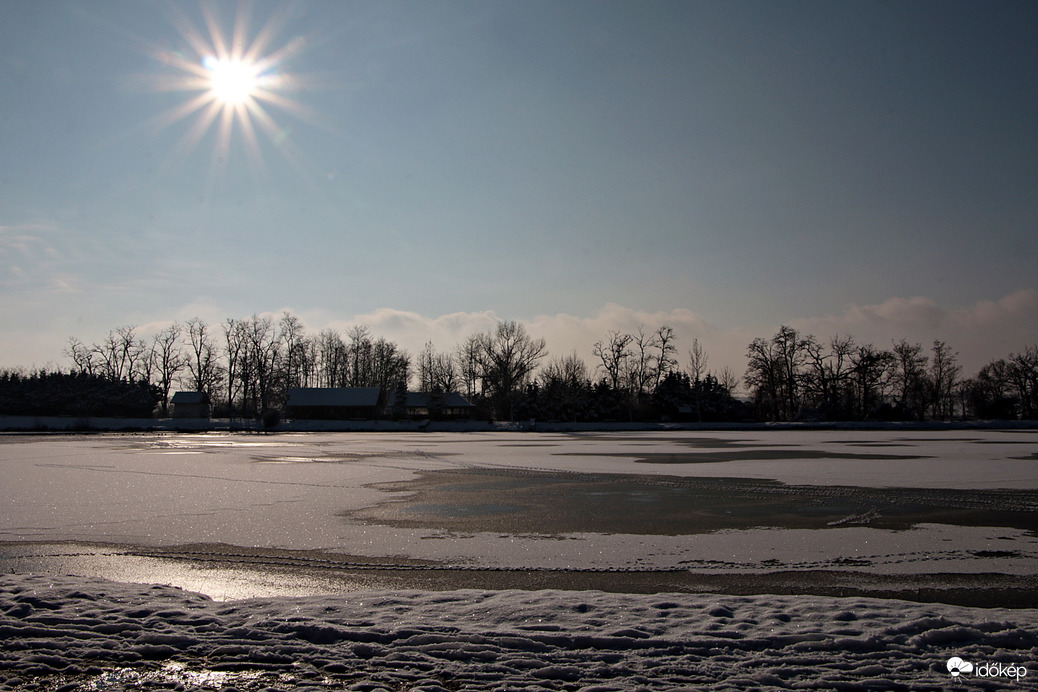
[
  {"x": 190, "y": 410},
  {"x": 331, "y": 412}
]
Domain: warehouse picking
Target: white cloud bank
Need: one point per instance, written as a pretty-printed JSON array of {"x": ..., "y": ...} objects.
[
  {"x": 562, "y": 332},
  {"x": 980, "y": 332}
]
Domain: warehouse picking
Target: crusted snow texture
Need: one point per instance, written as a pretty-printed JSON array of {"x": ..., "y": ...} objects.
[{"x": 75, "y": 633}]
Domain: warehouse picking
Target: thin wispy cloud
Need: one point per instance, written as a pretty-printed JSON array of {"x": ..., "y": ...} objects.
[{"x": 26, "y": 252}]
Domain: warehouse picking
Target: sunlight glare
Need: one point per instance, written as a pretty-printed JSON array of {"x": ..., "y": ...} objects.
[{"x": 232, "y": 81}]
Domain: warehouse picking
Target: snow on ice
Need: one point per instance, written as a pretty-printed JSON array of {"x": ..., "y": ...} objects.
[{"x": 65, "y": 633}]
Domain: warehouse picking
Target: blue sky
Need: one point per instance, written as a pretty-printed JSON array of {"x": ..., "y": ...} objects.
[{"x": 861, "y": 167}]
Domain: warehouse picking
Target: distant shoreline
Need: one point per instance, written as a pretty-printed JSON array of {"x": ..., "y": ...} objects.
[{"x": 73, "y": 424}]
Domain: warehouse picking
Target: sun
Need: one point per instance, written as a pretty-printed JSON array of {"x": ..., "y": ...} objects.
[{"x": 234, "y": 81}]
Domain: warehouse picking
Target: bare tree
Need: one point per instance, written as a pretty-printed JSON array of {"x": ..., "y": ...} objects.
[
  {"x": 426, "y": 368},
  {"x": 870, "y": 368},
  {"x": 436, "y": 371},
  {"x": 995, "y": 377},
  {"x": 374, "y": 362},
  {"x": 263, "y": 347},
  {"x": 944, "y": 373},
  {"x": 82, "y": 356},
  {"x": 332, "y": 359},
  {"x": 107, "y": 357},
  {"x": 639, "y": 372},
  {"x": 467, "y": 358},
  {"x": 360, "y": 356},
  {"x": 119, "y": 356},
  {"x": 148, "y": 363},
  {"x": 665, "y": 360},
  {"x": 827, "y": 374},
  {"x": 390, "y": 365},
  {"x": 763, "y": 377},
  {"x": 1023, "y": 374},
  {"x": 791, "y": 349},
  {"x": 291, "y": 348},
  {"x": 507, "y": 358},
  {"x": 569, "y": 368},
  {"x": 773, "y": 373},
  {"x": 445, "y": 374},
  {"x": 238, "y": 366},
  {"x": 909, "y": 377},
  {"x": 310, "y": 360},
  {"x": 728, "y": 380},
  {"x": 697, "y": 359},
  {"x": 133, "y": 352},
  {"x": 697, "y": 369},
  {"x": 169, "y": 360},
  {"x": 614, "y": 354},
  {"x": 564, "y": 390},
  {"x": 202, "y": 362},
  {"x": 964, "y": 395}
]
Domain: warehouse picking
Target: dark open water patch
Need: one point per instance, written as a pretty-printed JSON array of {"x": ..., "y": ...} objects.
[
  {"x": 743, "y": 455},
  {"x": 529, "y": 444},
  {"x": 694, "y": 442},
  {"x": 506, "y": 501},
  {"x": 479, "y": 510}
]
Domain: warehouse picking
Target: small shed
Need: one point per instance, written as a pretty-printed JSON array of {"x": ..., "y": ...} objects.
[
  {"x": 451, "y": 405},
  {"x": 190, "y": 405},
  {"x": 335, "y": 403}
]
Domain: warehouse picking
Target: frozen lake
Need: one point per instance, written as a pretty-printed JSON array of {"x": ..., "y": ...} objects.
[
  {"x": 738, "y": 560},
  {"x": 896, "y": 503}
]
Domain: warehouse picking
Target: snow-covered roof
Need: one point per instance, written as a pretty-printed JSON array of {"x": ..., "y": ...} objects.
[
  {"x": 334, "y": 396},
  {"x": 189, "y": 398}
]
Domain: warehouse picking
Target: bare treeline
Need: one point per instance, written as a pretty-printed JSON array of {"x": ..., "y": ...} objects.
[
  {"x": 246, "y": 366},
  {"x": 640, "y": 362},
  {"x": 794, "y": 377}
]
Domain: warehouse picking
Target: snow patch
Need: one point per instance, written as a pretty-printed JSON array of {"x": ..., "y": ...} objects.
[{"x": 60, "y": 632}]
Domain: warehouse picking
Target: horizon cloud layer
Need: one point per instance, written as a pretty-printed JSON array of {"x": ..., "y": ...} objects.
[{"x": 981, "y": 332}]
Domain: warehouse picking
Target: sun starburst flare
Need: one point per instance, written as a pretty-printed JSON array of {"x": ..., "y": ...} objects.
[{"x": 233, "y": 81}]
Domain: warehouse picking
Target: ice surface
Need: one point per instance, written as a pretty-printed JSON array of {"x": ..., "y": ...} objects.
[{"x": 328, "y": 492}]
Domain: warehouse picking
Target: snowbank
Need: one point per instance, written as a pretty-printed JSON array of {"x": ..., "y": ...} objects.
[{"x": 65, "y": 633}]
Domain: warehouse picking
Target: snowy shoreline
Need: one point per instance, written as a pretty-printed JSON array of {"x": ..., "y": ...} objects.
[
  {"x": 223, "y": 573},
  {"x": 68, "y": 633}
]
